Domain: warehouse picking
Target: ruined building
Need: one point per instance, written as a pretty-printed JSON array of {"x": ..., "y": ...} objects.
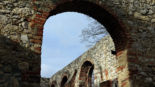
[
  {"x": 130, "y": 23},
  {"x": 79, "y": 72}
]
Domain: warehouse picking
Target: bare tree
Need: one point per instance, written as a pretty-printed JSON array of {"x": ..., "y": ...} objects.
[{"x": 93, "y": 33}]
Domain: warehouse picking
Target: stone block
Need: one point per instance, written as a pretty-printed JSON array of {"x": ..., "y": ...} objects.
[
  {"x": 1, "y": 72},
  {"x": 3, "y": 79},
  {"x": 14, "y": 82},
  {"x": 3, "y": 19},
  {"x": 25, "y": 24},
  {"x": 23, "y": 66},
  {"x": 1, "y": 65},
  {"x": 24, "y": 38},
  {"x": 7, "y": 69}
]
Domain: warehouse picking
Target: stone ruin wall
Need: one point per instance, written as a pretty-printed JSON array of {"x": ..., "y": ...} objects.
[
  {"x": 21, "y": 31},
  {"x": 104, "y": 64},
  {"x": 44, "y": 82},
  {"x": 17, "y": 57}
]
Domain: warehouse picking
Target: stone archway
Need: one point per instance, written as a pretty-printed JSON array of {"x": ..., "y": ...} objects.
[
  {"x": 110, "y": 20},
  {"x": 130, "y": 24}
]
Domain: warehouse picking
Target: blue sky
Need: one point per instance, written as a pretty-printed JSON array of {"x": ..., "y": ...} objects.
[{"x": 61, "y": 42}]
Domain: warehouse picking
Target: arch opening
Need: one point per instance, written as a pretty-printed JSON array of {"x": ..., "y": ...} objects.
[
  {"x": 71, "y": 83},
  {"x": 64, "y": 80},
  {"x": 91, "y": 77},
  {"x": 86, "y": 74},
  {"x": 62, "y": 45},
  {"x": 52, "y": 85},
  {"x": 112, "y": 24}
]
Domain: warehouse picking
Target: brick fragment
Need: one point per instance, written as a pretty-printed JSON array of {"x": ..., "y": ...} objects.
[
  {"x": 120, "y": 68},
  {"x": 38, "y": 52},
  {"x": 40, "y": 27},
  {"x": 36, "y": 41},
  {"x": 38, "y": 37},
  {"x": 38, "y": 48},
  {"x": 39, "y": 34}
]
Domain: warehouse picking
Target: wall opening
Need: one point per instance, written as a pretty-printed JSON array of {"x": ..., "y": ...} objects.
[
  {"x": 91, "y": 77},
  {"x": 56, "y": 30},
  {"x": 64, "y": 80},
  {"x": 111, "y": 23},
  {"x": 107, "y": 19},
  {"x": 105, "y": 84},
  {"x": 52, "y": 85},
  {"x": 86, "y": 74}
]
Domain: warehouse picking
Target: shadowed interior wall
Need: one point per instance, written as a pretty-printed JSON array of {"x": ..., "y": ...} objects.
[{"x": 52, "y": 85}]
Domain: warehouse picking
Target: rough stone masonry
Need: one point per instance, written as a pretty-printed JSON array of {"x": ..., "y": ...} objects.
[
  {"x": 130, "y": 23},
  {"x": 44, "y": 82}
]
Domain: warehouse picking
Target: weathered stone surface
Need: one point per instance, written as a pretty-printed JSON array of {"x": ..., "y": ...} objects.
[
  {"x": 23, "y": 66},
  {"x": 7, "y": 68},
  {"x": 139, "y": 16},
  {"x": 24, "y": 38},
  {"x": 3, "y": 79},
  {"x": 10, "y": 27},
  {"x": 150, "y": 12},
  {"x": 144, "y": 11},
  {"x": 1, "y": 65},
  {"x": 5, "y": 11},
  {"x": 24, "y": 24},
  {"x": 128, "y": 21},
  {"x": 44, "y": 82},
  {"x": 6, "y": 2},
  {"x": 3, "y": 19},
  {"x": 14, "y": 37},
  {"x": 24, "y": 12},
  {"x": 4, "y": 85},
  {"x": 148, "y": 79},
  {"x": 14, "y": 82},
  {"x": 143, "y": 73},
  {"x": 16, "y": 17},
  {"x": 1, "y": 72},
  {"x": 152, "y": 20},
  {"x": 17, "y": 10},
  {"x": 7, "y": 74},
  {"x": 153, "y": 68}
]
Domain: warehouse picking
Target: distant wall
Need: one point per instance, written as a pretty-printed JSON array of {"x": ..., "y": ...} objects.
[
  {"x": 44, "y": 82},
  {"x": 100, "y": 55}
]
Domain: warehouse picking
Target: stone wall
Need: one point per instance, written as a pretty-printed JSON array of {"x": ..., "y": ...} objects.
[
  {"x": 100, "y": 55},
  {"x": 131, "y": 24},
  {"x": 44, "y": 82},
  {"x": 19, "y": 64}
]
